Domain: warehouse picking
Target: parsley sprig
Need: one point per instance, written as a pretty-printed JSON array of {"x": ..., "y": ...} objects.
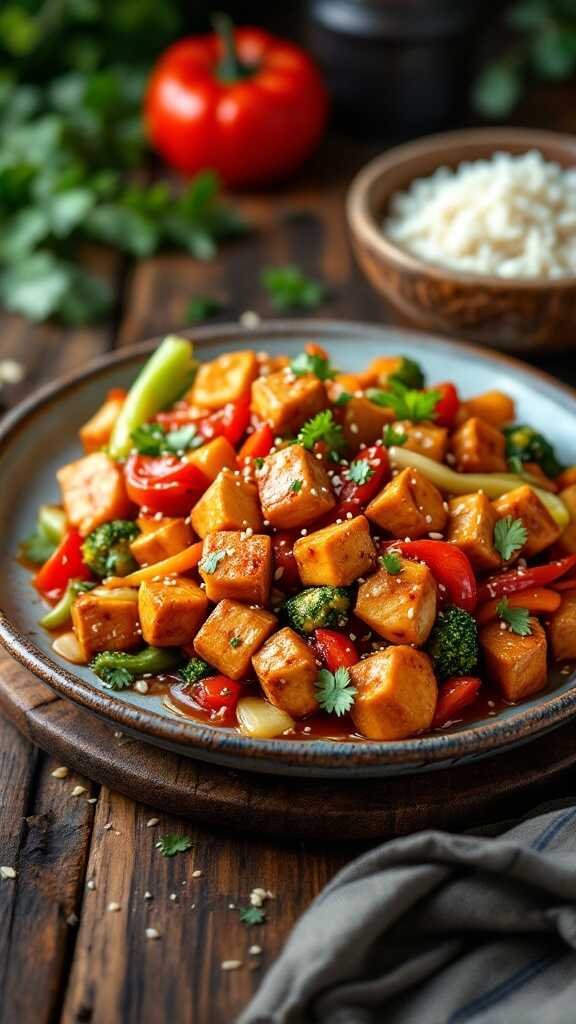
[
  {"x": 509, "y": 536},
  {"x": 334, "y": 691},
  {"x": 289, "y": 288},
  {"x": 321, "y": 427},
  {"x": 116, "y": 678},
  {"x": 517, "y": 619},
  {"x": 360, "y": 471},
  {"x": 406, "y": 403},
  {"x": 169, "y": 845},
  {"x": 306, "y": 362},
  {"x": 390, "y": 561},
  {"x": 394, "y": 436},
  {"x": 153, "y": 439}
]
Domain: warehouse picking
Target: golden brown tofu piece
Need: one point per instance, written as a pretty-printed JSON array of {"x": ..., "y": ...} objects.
[
  {"x": 362, "y": 421},
  {"x": 400, "y": 607},
  {"x": 171, "y": 611},
  {"x": 286, "y": 401},
  {"x": 479, "y": 447},
  {"x": 97, "y": 431},
  {"x": 567, "y": 539},
  {"x": 425, "y": 438},
  {"x": 214, "y": 456},
  {"x": 106, "y": 620},
  {"x": 517, "y": 664},
  {"x": 562, "y": 628},
  {"x": 294, "y": 487},
  {"x": 495, "y": 407},
  {"x": 380, "y": 370},
  {"x": 224, "y": 379},
  {"x": 230, "y": 503},
  {"x": 169, "y": 537},
  {"x": 287, "y": 672},
  {"x": 231, "y": 635},
  {"x": 471, "y": 528},
  {"x": 396, "y": 694},
  {"x": 93, "y": 492},
  {"x": 409, "y": 506},
  {"x": 336, "y": 555},
  {"x": 241, "y": 566},
  {"x": 523, "y": 503}
]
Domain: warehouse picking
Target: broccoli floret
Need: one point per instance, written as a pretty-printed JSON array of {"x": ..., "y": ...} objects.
[
  {"x": 196, "y": 669},
  {"x": 117, "y": 670},
  {"x": 317, "y": 607},
  {"x": 107, "y": 549},
  {"x": 453, "y": 644},
  {"x": 409, "y": 373},
  {"x": 524, "y": 444}
]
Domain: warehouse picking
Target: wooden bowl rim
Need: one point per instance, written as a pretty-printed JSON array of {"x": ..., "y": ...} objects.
[{"x": 363, "y": 224}]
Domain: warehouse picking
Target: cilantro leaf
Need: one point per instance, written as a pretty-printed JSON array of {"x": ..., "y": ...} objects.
[
  {"x": 210, "y": 563},
  {"x": 170, "y": 845},
  {"x": 296, "y": 486},
  {"x": 394, "y": 436},
  {"x": 202, "y": 307},
  {"x": 516, "y": 618},
  {"x": 116, "y": 678},
  {"x": 334, "y": 691},
  {"x": 406, "y": 403},
  {"x": 390, "y": 561},
  {"x": 306, "y": 363},
  {"x": 321, "y": 427},
  {"x": 235, "y": 642},
  {"x": 252, "y": 915},
  {"x": 360, "y": 471},
  {"x": 289, "y": 288},
  {"x": 343, "y": 398},
  {"x": 509, "y": 536},
  {"x": 152, "y": 439}
]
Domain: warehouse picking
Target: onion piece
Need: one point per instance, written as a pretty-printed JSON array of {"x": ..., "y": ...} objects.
[
  {"x": 261, "y": 720},
  {"x": 67, "y": 646}
]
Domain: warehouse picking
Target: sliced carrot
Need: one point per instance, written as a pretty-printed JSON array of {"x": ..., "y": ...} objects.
[
  {"x": 313, "y": 349},
  {"x": 182, "y": 562},
  {"x": 537, "y": 600}
]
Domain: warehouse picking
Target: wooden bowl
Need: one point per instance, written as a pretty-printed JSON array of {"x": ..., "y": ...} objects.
[{"x": 519, "y": 315}]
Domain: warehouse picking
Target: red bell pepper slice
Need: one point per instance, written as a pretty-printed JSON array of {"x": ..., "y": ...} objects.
[
  {"x": 283, "y": 554},
  {"x": 257, "y": 445},
  {"x": 449, "y": 566},
  {"x": 64, "y": 565},
  {"x": 448, "y": 404},
  {"x": 522, "y": 579},
  {"x": 335, "y": 649},
  {"x": 166, "y": 484},
  {"x": 455, "y": 695},
  {"x": 361, "y": 494},
  {"x": 217, "y": 693},
  {"x": 230, "y": 422}
]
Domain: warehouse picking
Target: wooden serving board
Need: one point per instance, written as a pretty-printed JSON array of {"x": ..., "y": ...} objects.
[{"x": 315, "y": 809}]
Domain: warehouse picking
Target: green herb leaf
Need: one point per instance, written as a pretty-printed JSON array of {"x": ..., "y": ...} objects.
[
  {"x": 235, "y": 642},
  {"x": 170, "y": 845},
  {"x": 296, "y": 486},
  {"x": 152, "y": 439},
  {"x": 334, "y": 691},
  {"x": 117, "y": 678},
  {"x": 305, "y": 363},
  {"x": 289, "y": 288},
  {"x": 509, "y": 536},
  {"x": 258, "y": 462},
  {"x": 517, "y": 619},
  {"x": 360, "y": 471},
  {"x": 201, "y": 308},
  {"x": 390, "y": 561},
  {"x": 321, "y": 427},
  {"x": 252, "y": 915},
  {"x": 406, "y": 403},
  {"x": 394, "y": 436},
  {"x": 496, "y": 90},
  {"x": 343, "y": 398},
  {"x": 210, "y": 563}
]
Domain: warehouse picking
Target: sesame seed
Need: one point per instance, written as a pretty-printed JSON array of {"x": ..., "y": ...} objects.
[
  {"x": 255, "y": 950},
  {"x": 141, "y": 686},
  {"x": 435, "y": 536},
  {"x": 174, "y": 897},
  {"x": 7, "y": 872},
  {"x": 152, "y": 933},
  {"x": 79, "y": 790},
  {"x": 60, "y": 773},
  {"x": 148, "y": 895},
  {"x": 113, "y": 907},
  {"x": 91, "y": 884},
  {"x": 231, "y": 965},
  {"x": 152, "y": 822},
  {"x": 197, "y": 873},
  {"x": 92, "y": 800}
]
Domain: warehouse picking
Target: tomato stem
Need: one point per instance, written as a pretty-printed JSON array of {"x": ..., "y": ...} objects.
[{"x": 230, "y": 68}]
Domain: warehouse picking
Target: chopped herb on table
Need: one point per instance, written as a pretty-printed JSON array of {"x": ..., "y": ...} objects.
[
  {"x": 517, "y": 619},
  {"x": 252, "y": 915},
  {"x": 170, "y": 845},
  {"x": 289, "y": 288}
]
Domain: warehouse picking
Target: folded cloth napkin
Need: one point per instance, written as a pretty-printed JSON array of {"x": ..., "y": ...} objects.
[{"x": 435, "y": 928}]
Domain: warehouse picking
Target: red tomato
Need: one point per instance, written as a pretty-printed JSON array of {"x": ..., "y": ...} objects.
[
  {"x": 216, "y": 693},
  {"x": 448, "y": 405},
  {"x": 454, "y": 695},
  {"x": 257, "y": 445},
  {"x": 282, "y": 550},
  {"x": 166, "y": 484},
  {"x": 245, "y": 103},
  {"x": 64, "y": 565},
  {"x": 335, "y": 649},
  {"x": 450, "y": 568}
]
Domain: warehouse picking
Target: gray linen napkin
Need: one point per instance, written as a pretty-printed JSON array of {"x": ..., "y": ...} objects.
[{"x": 436, "y": 928}]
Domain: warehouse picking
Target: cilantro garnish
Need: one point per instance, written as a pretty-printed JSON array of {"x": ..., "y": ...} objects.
[
  {"x": 306, "y": 363},
  {"x": 334, "y": 691},
  {"x": 394, "y": 436},
  {"x": 289, "y": 288},
  {"x": 516, "y": 618},
  {"x": 202, "y": 307},
  {"x": 343, "y": 398},
  {"x": 390, "y": 561},
  {"x": 321, "y": 427},
  {"x": 509, "y": 536},
  {"x": 170, "y": 845},
  {"x": 116, "y": 678},
  {"x": 360, "y": 471},
  {"x": 296, "y": 486},
  {"x": 153, "y": 439},
  {"x": 252, "y": 915},
  {"x": 210, "y": 563},
  {"x": 258, "y": 462},
  {"x": 406, "y": 403},
  {"x": 235, "y": 642}
]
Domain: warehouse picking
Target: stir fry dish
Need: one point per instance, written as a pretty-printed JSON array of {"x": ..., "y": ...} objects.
[{"x": 289, "y": 550}]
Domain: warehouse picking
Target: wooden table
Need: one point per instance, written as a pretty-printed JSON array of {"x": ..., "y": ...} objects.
[{"x": 64, "y": 955}]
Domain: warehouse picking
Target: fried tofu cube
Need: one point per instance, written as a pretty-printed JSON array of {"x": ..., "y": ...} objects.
[
  {"x": 231, "y": 635},
  {"x": 471, "y": 528},
  {"x": 240, "y": 566},
  {"x": 294, "y": 488},
  {"x": 363, "y": 421},
  {"x": 93, "y": 492},
  {"x": 495, "y": 407},
  {"x": 287, "y": 672},
  {"x": 523, "y": 503},
  {"x": 479, "y": 447},
  {"x": 396, "y": 694},
  {"x": 169, "y": 537},
  {"x": 171, "y": 612},
  {"x": 213, "y": 457},
  {"x": 567, "y": 539},
  {"x": 400, "y": 607},
  {"x": 336, "y": 555},
  {"x": 517, "y": 664},
  {"x": 286, "y": 401},
  {"x": 224, "y": 379},
  {"x": 97, "y": 431},
  {"x": 230, "y": 503},
  {"x": 409, "y": 506},
  {"x": 106, "y": 621},
  {"x": 381, "y": 369},
  {"x": 562, "y": 628},
  {"x": 425, "y": 438}
]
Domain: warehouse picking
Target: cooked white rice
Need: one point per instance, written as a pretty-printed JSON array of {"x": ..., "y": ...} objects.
[{"x": 510, "y": 216}]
